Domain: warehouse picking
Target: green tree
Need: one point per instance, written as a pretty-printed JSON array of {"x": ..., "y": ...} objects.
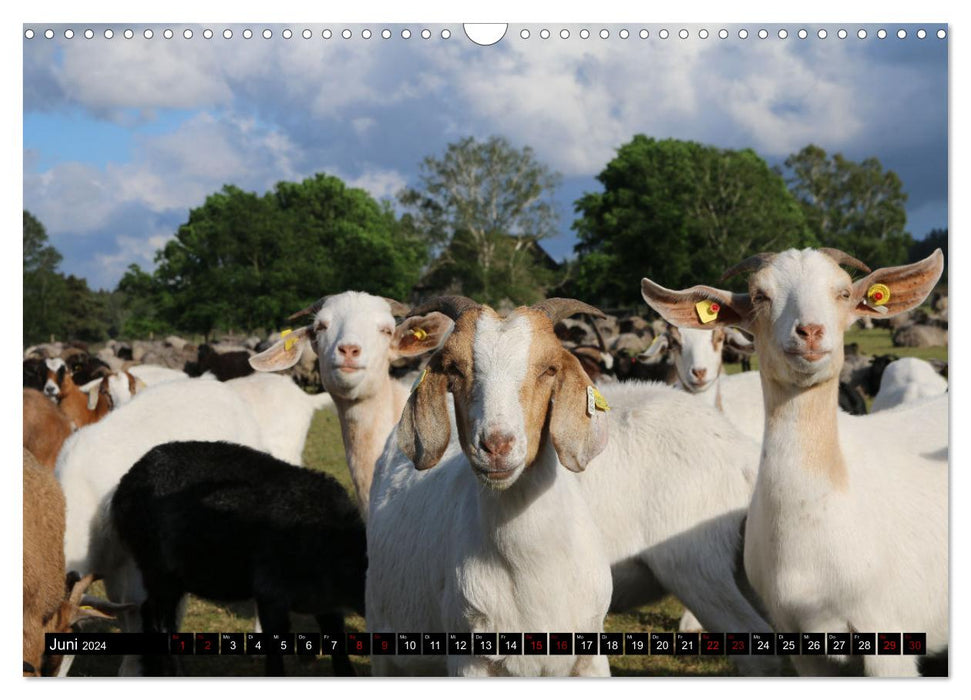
[
  {"x": 45, "y": 291},
  {"x": 246, "y": 261},
  {"x": 856, "y": 207},
  {"x": 485, "y": 205},
  {"x": 678, "y": 212}
]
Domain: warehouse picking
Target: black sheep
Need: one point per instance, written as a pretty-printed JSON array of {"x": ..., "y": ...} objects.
[
  {"x": 230, "y": 523},
  {"x": 225, "y": 366}
]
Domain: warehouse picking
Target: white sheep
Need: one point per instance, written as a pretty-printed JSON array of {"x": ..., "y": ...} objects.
[
  {"x": 906, "y": 380},
  {"x": 848, "y": 526},
  {"x": 497, "y": 536}
]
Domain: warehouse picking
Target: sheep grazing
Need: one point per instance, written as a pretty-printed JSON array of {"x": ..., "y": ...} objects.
[
  {"x": 908, "y": 380},
  {"x": 227, "y": 522},
  {"x": 497, "y": 536},
  {"x": 47, "y": 607},
  {"x": 46, "y": 427},
  {"x": 848, "y": 526},
  {"x": 355, "y": 339}
]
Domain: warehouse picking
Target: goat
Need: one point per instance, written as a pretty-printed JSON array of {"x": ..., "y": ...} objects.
[
  {"x": 646, "y": 558},
  {"x": 697, "y": 358},
  {"x": 907, "y": 380},
  {"x": 93, "y": 460},
  {"x": 46, "y": 606},
  {"x": 497, "y": 536},
  {"x": 35, "y": 373},
  {"x": 847, "y": 529},
  {"x": 355, "y": 339},
  {"x": 82, "y": 408},
  {"x": 46, "y": 427},
  {"x": 227, "y": 522}
]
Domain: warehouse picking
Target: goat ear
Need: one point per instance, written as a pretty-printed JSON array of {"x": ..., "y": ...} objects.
[
  {"x": 420, "y": 334},
  {"x": 577, "y": 436},
  {"x": 424, "y": 429},
  {"x": 93, "y": 396},
  {"x": 908, "y": 286},
  {"x": 283, "y": 354},
  {"x": 680, "y": 308}
]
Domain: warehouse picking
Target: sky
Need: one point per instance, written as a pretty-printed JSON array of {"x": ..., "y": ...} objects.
[{"x": 122, "y": 137}]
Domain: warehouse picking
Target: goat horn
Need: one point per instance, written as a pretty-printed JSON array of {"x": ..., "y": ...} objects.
[
  {"x": 558, "y": 308},
  {"x": 398, "y": 310},
  {"x": 452, "y": 306},
  {"x": 844, "y": 259},
  {"x": 749, "y": 264},
  {"x": 312, "y": 309}
]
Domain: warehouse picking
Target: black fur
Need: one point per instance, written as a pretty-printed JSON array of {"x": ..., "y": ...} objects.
[
  {"x": 225, "y": 366},
  {"x": 35, "y": 374},
  {"x": 229, "y": 523}
]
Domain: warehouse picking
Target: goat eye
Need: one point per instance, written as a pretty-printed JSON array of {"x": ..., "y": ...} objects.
[
  {"x": 386, "y": 331},
  {"x": 845, "y": 294},
  {"x": 759, "y": 296},
  {"x": 550, "y": 371}
]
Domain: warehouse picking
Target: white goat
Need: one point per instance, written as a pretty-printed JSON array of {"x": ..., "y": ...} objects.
[
  {"x": 698, "y": 358},
  {"x": 94, "y": 459},
  {"x": 355, "y": 339},
  {"x": 847, "y": 530},
  {"x": 906, "y": 380},
  {"x": 497, "y": 536},
  {"x": 659, "y": 535}
]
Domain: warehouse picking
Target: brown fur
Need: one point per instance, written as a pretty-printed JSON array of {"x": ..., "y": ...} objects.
[
  {"x": 44, "y": 574},
  {"x": 553, "y": 397},
  {"x": 46, "y": 427},
  {"x": 74, "y": 402}
]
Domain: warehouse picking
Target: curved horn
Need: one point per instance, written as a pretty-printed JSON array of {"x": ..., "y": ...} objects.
[
  {"x": 398, "y": 310},
  {"x": 559, "y": 308},
  {"x": 452, "y": 306},
  {"x": 312, "y": 309},
  {"x": 842, "y": 258},
  {"x": 749, "y": 264}
]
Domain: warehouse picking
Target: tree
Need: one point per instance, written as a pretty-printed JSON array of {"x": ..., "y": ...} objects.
[
  {"x": 484, "y": 206},
  {"x": 856, "y": 207},
  {"x": 680, "y": 213},
  {"x": 246, "y": 261},
  {"x": 45, "y": 291}
]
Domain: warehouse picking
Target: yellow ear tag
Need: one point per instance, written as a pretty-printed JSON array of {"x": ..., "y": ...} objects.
[
  {"x": 419, "y": 333},
  {"x": 289, "y": 343},
  {"x": 420, "y": 379},
  {"x": 707, "y": 310},
  {"x": 877, "y": 295},
  {"x": 595, "y": 401}
]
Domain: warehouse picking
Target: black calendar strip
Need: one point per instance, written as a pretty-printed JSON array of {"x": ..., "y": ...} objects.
[{"x": 501, "y": 643}]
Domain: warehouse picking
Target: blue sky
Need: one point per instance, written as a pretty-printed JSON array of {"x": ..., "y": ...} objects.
[{"x": 123, "y": 136}]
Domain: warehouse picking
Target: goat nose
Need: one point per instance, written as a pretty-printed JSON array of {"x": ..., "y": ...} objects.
[
  {"x": 810, "y": 332},
  {"x": 699, "y": 373},
  {"x": 497, "y": 444},
  {"x": 348, "y": 350}
]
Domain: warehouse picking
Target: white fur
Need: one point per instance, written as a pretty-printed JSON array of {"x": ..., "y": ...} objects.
[
  {"x": 449, "y": 553},
  {"x": 156, "y": 374},
  {"x": 669, "y": 495},
  {"x": 282, "y": 410},
  {"x": 906, "y": 380},
  {"x": 869, "y": 554}
]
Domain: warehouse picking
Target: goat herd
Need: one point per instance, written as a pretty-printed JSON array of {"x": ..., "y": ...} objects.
[{"x": 499, "y": 490}]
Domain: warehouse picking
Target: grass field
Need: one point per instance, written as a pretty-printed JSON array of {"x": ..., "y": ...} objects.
[{"x": 324, "y": 451}]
